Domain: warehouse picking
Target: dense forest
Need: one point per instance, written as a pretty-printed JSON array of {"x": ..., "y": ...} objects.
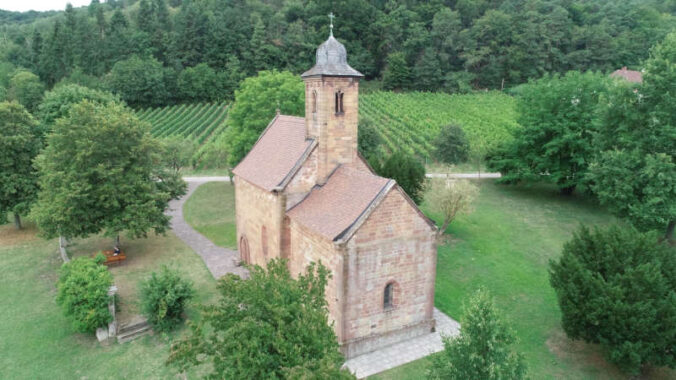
[{"x": 199, "y": 50}]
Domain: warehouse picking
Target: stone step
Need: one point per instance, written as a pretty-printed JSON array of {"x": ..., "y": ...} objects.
[
  {"x": 136, "y": 322},
  {"x": 131, "y": 334}
]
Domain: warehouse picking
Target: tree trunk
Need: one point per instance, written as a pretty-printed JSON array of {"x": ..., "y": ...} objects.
[
  {"x": 669, "y": 235},
  {"x": 442, "y": 230},
  {"x": 117, "y": 240},
  {"x": 567, "y": 190},
  {"x": 17, "y": 221}
]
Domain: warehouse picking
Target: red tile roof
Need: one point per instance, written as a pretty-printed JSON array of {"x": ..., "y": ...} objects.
[
  {"x": 630, "y": 75},
  {"x": 276, "y": 152},
  {"x": 332, "y": 208}
]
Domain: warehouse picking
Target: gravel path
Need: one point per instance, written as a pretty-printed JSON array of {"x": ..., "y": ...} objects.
[{"x": 219, "y": 260}]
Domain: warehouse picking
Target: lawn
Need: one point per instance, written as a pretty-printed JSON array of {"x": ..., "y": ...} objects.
[
  {"x": 504, "y": 246},
  {"x": 211, "y": 211},
  {"x": 36, "y": 340}
]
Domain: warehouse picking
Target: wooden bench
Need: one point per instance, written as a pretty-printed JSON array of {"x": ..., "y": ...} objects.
[{"x": 111, "y": 258}]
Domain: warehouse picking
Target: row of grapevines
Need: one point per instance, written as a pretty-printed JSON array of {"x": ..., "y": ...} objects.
[
  {"x": 411, "y": 121},
  {"x": 194, "y": 121}
]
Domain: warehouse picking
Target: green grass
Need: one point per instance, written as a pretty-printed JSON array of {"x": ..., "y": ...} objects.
[
  {"x": 36, "y": 340},
  {"x": 505, "y": 246},
  {"x": 211, "y": 211}
]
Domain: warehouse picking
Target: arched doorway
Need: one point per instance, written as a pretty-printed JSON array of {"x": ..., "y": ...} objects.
[{"x": 244, "y": 250}]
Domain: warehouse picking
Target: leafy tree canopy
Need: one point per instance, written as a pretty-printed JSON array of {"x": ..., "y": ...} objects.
[
  {"x": 483, "y": 348},
  {"x": 19, "y": 144},
  {"x": 26, "y": 88},
  {"x": 617, "y": 287},
  {"x": 397, "y": 75},
  {"x": 58, "y": 101},
  {"x": 555, "y": 144},
  {"x": 369, "y": 140},
  {"x": 256, "y": 101},
  {"x": 101, "y": 171},
  {"x": 163, "y": 298},
  {"x": 269, "y": 326},
  {"x": 451, "y": 145},
  {"x": 635, "y": 172},
  {"x": 406, "y": 170},
  {"x": 140, "y": 82}
]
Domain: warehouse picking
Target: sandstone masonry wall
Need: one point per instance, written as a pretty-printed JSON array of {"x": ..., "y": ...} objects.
[
  {"x": 256, "y": 208},
  {"x": 394, "y": 245}
]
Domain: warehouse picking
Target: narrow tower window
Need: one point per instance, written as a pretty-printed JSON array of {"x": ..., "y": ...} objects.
[
  {"x": 314, "y": 101},
  {"x": 388, "y": 296},
  {"x": 339, "y": 102},
  {"x": 264, "y": 240}
]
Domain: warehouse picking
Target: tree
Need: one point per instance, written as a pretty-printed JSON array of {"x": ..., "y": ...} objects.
[
  {"x": 269, "y": 326},
  {"x": 178, "y": 152},
  {"x": 451, "y": 145},
  {"x": 255, "y": 103},
  {"x": 451, "y": 198},
  {"x": 26, "y": 88},
  {"x": 397, "y": 75},
  {"x": 555, "y": 144},
  {"x": 163, "y": 298},
  {"x": 19, "y": 144},
  {"x": 369, "y": 140},
  {"x": 58, "y": 102},
  {"x": 407, "y": 171},
  {"x": 101, "y": 171},
  {"x": 139, "y": 82},
  {"x": 617, "y": 287},
  {"x": 82, "y": 292},
  {"x": 201, "y": 84},
  {"x": 636, "y": 141},
  {"x": 482, "y": 350}
]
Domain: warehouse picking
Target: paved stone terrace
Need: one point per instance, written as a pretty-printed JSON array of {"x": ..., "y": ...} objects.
[
  {"x": 404, "y": 352},
  {"x": 219, "y": 260},
  {"x": 222, "y": 260}
]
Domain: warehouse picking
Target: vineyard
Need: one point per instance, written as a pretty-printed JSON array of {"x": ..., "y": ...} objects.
[
  {"x": 411, "y": 121},
  {"x": 197, "y": 121}
]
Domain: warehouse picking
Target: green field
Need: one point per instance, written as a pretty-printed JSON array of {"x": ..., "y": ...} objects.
[
  {"x": 197, "y": 122},
  {"x": 411, "y": 121},
  {"x": 211, "y": 211},
  {"x": 36, "y": 340}
]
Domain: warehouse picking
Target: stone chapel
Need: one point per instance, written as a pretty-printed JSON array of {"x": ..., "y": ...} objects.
[{"x": 304, "y": 193}]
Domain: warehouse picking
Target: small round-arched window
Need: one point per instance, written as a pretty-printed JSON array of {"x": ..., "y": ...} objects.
[
  {"x": 389, "y": 296},
  {"x": 244, "y": 250}
]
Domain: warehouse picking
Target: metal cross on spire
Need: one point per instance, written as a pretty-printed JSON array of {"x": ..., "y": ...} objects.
[{"x": 331, "y": 16}]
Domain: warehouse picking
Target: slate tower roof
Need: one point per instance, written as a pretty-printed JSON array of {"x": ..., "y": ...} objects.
[{"x": 332, "y": 61}]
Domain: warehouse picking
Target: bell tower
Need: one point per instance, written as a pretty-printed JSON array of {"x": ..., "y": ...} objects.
[{"x": 332, "y": 106}]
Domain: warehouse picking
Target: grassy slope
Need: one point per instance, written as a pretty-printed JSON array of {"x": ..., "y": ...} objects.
[
  {"x": 211, "y": 211},
  {"x": 37, "y": 341},
  {"x": 505, "y": 246}
]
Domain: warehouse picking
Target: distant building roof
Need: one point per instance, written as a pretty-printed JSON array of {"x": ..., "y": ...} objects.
[
  {"x": 276, "y": 154},
  {"x": 629, "y": 75},
  {"x": 332, "y": 208},
  {"x": 332, "y": 61}
]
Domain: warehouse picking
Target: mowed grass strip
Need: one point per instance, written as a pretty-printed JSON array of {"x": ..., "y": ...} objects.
[
  {"x": 37, "y": 341},
  {"x": 211, "y": 211}
]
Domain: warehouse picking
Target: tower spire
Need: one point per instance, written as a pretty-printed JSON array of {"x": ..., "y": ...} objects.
[{"x": 331, "y": 16}]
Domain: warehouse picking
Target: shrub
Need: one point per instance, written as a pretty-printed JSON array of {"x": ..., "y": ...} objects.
[
  {"x": 407, "y": 171},
  {"x": 617, "y": 287},
  {"x": 482, "y": 350},
  {"x": 451, "y": 198},
  {"x": 451, "y": 145},
  {"x": 83, "y": 293},
  {"x": 163, "y": 298}
]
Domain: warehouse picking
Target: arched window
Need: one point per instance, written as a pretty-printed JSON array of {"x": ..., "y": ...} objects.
[
  {"x": 264, "y": 240},
  {"x": 314, "y": 101},
  {"x": 244, "y": 250},
  {"x": 339, "y": 102},
  {"x": 388, "y": 296}
]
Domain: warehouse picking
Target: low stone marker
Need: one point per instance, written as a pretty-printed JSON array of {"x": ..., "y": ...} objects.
[{"x": 107, "y": 333}]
